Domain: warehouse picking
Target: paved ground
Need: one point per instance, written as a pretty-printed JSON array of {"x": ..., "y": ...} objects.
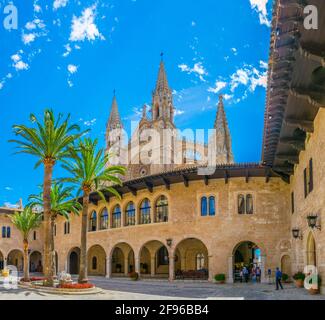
[{"x": 117, "y": 289}]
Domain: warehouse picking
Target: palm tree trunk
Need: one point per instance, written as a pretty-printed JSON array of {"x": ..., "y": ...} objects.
[
  {"x": 83, "y": 274},
  {"x": 48, "y": 272},
  {"x": 52, "y": 248},
  {"x": 26, "y": 261}
]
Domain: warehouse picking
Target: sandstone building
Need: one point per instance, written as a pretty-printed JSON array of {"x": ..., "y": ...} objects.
[{"x": 174, "y": 223}]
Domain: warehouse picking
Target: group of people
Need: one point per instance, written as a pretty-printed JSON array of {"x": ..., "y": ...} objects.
[{"x": 254, "y": 274}]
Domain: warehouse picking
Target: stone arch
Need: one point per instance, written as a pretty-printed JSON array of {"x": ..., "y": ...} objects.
[
  {"x": 96, "y": 259},
  {"x": 192, "y": 259},
  {"x": 154, "y": 259},
  {"x": 122, "y": 260},
  {"x": 73, "y": 261},
  {"x": 16, "y": 258},
  {"x": 161, "y": 214},
  {"x": 286, "y": 266},
  {"x": 311, "y": 254},
  {"x": 35, "y": 262}
]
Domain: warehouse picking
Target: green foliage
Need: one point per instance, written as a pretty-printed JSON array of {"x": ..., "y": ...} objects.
[
  {"x": 26, "y": 221},
  {"x": 299, "y": 276},
  {"x": 285, "y": 277},
  {"x": 220, "y": 277}
]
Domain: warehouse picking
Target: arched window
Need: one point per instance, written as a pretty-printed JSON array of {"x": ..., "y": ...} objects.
[
  {"x": 145, "y": 212},
  {"x": 4, "y": 233},
  {"x": 93, "y": 222},
  {"x": 116, "y": 217},
  {"x": 94, "y": 263},
  {"x": 130, "y": 214},
  {"x": 212, "y": 206},
  {"x": 104, "y": 219},
  {"x": 200, "y": 261},
  {"x": 8, "y": 232},
  {"x": 241, "y": 204},
  {"x": 204, "y": 206},
  {"x": 162, "y": 209},
  {"x": 249, "y": 204}
]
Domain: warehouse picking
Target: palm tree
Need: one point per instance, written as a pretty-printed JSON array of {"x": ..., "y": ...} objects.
[
  {"x": 62, "y": 204},
  {"x": 26, "y": 221},
  {"x": 48, "y": 140},
  {"x": 90, "y": 173}
]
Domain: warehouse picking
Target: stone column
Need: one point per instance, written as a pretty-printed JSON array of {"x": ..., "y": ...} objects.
[
  {"x": 137, "y": 264},
  {"x": 108, "y": 267},
  {"x": 263, "y": 275},
  {"x": 171, "y": 265},
  {"x": 153, "y": 266},
  {"x": 230, "y": 269},
  {"x": 126, "y": 265}
]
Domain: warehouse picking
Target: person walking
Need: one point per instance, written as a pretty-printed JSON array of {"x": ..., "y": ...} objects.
[
  {"x": 258, "y": 274},
  {"x": 246, "y": 274},
  {"x": 278, "y": 278},
  {"x": 241, "y": 275}
]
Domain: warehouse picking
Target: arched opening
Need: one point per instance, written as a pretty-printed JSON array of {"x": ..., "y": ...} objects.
[
  {"x": 161, "y": 214},
  {"x": 96, "y": 261},
  {"x": 16, "y": 258},
  {"x": 191, "y": 260},
  {"x": 1, "y": 261},
  {"x": 104, "y": 219},
  {"x": 154, "y": 260},
  {"x": 145, "y": 208},
  {"x": 130, "y": 214},
  {"x": 247, "y": 256},
  {"x": 74, "y": 261},
  {"x": 286, "y": 265},
  {"x": 93, "y": 222},
  {"x": 35, "y": 262},
  {"x": 311, "y": 251},
  {"x": 122, "y": 260}
]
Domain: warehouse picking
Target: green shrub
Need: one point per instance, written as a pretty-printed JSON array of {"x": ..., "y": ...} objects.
[
  {"x": 285, "y": 277},
  {"x": 299, "y": 276},
  {"x": 220, "y": 277}
]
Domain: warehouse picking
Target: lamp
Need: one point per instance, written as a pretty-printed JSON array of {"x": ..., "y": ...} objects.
[
  {"x": 312, "y": 221},
  {"x": 169, "y": 242},
  {"x": 296, "y": 234}
]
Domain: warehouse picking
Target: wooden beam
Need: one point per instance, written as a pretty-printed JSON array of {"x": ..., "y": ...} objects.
[
  {"x": 133, "y": 190},
  {"x": 206, "y": 180},
  {"x": 149, "y": 186},
  {"x": 166, "y": 183},
  {"x": 247, "y": 176},
  {"x": 293, "y": 159},
  {"x": 297, "y": 144},
  {"x": 305, "y": 125},
  {"x": 267, "y": 175},
  {"x": 186, "y": 182},
  {"x": 314, "y": 98},
  {"x": 226, "y": 177},
  {"x": 284, "y": 169}
]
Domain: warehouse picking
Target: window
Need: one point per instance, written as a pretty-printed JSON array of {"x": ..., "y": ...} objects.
[
  {"x": 245, "y": 204},
  {"x": 104, "y": 219},
  {"x": 162, "y": 209},
  {"x": 130, "y": 214},
  {"x": 67, "y": 227},
  {"x": 204, "y": 207},
  {"x": 94, "y": 263},
  {"x": 34, "y": 235},
  {"x": 200, "y": 261},
  {"x": 145, "y": 212},
  {"x": 292, "y": 202},
  {"x": 212, "y": 206},
  {"x": 116, "y": 223},
  {"x": 309, "y": 178},
  {"x": 208, "y": 206},
  {"x": 55, "y": 230},
  {"x": 6, "y": 232},
  {"x": 93, "y": 222}
]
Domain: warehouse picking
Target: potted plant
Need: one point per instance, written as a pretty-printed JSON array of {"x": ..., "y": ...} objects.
[
  {"x": 220, "y": 278},
  {"x": 134, "y": 276},
  {"x": 285, "y": 278},
  {"x": 316, "y": 285},
  {"x": 299, "y": 278}
]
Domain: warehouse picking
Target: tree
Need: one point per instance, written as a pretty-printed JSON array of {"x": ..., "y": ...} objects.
[
  {"x": 62, "y": 204},
  {"x": 48, "y": 140},
  {"x": 90, "y": 172},
  {"x": 26, "y": 221}
]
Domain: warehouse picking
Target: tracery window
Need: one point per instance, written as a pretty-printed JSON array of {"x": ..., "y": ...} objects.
[
  {"x": 130, "y": 214},
  {"x": 104, "y": 219},
  {"x": 93, "y": 222},
  {"x": 145, "y": 209},
  {"x": 116, "y": 217},
  {"x": 162, "y": 209}
]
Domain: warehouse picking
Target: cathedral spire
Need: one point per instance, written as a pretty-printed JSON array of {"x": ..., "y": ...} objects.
[
  {"x": 114, "y": 121},
  {"x": 223, "y": 138},
  {"x": 162, "y": 86}
]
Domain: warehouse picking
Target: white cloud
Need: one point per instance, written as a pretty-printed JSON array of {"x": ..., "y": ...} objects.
[
  {"x": 84, "y": 28},
  {"x": 30, "y": 25},
  {"x": 219, "y": 85},
  {"x": 1, "y": 85},
  {"x": 18, "y": 64},
  {"x": 193, "y": 23},
  {"x": 72, "y": 68},
  {"x": 37, "y": 8},
  {"x": 68, "y": 50},
  {"x": 28, "y": 38},
  {"x": 260, "y": 7},
  {"x": 240, "y": 77},
  {"x": 198, "y": 69},
  {"x": 59, "y": 4},
  {"x": 90, "y": 123},
  {"x": 9, "y": 189}
]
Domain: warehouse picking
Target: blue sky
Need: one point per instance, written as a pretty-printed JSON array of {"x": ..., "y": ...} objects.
[{"x": 70, "y": 55}]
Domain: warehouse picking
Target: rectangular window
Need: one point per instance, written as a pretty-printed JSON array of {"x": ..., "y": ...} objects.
[
  {"x": 4, "y": 232},
  {"x": 34, "y": 235},
  {"x": 292, "y": 202},
  {"x": 8, "y": 232},
  {"x": 245, "y": 204},
  {"x": 309, "y": 178}
]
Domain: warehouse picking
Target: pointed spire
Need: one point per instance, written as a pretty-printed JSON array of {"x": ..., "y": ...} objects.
[
  {"x": 162, "y": 82},
  {"x": 144, "y": 112},
  {"x": 114, "y": 120},
  {"x": 223, "y": 138}
]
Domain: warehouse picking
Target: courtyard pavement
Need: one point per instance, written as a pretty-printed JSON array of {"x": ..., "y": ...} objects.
[{"x": 124, "y": 289}]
